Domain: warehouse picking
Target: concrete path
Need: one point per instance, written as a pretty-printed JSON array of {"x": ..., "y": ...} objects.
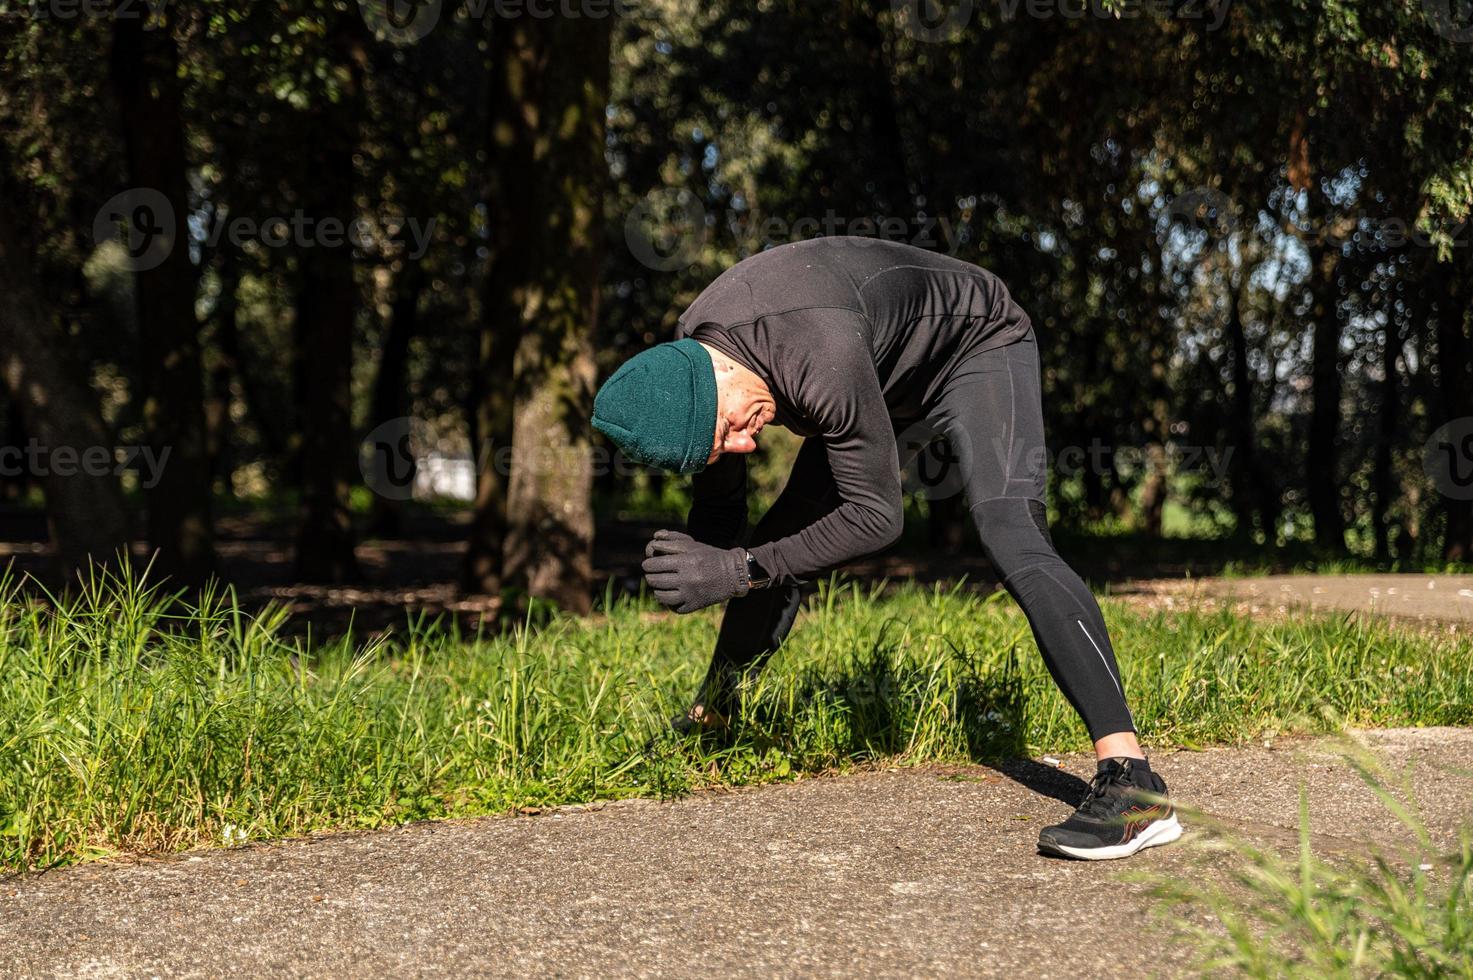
[
  {"x": 1433, "y": 600},
  {"x": 904, "y": 873}
]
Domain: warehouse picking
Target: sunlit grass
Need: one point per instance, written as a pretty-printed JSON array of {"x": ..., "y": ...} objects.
[
  {"x": 1397, "y": 912},
  {"x": 130, "y": 723}
]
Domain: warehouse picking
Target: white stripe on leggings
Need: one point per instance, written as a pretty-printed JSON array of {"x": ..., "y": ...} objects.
[{"x": 1102, "y": 658}]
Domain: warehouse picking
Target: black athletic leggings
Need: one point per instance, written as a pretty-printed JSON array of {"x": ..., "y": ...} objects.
[{"x": 992, "y": 414}]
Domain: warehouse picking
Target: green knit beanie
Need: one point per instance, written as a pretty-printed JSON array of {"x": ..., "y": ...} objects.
[{"x": 660, "y": 407}]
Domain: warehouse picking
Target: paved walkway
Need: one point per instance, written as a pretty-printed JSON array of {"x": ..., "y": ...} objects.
[
  {"x": 891, "y": 873},
  {"x": 1432, "y": 600}
]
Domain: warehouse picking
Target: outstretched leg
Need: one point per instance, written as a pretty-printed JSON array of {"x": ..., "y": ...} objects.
[
  {"x": 993, "y": 416},
  {"x": 755, "y": 625},
  {"x": 992, "y": 412}
]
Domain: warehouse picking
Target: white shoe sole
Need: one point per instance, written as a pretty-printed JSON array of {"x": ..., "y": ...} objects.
[{"x": 1160, "y": 832}]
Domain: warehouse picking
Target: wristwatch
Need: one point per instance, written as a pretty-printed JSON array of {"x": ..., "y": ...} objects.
[{"x": 757, "y": 576}]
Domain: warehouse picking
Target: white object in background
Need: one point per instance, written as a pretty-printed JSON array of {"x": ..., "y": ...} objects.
[{"x": 447, "y": 477}]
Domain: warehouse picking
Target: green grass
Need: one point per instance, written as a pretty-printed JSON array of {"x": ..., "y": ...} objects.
[
  {"x": 1402, "y": 913},
  {"x": 130, "y": 723}
]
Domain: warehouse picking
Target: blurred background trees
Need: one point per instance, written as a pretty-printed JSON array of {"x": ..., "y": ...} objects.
[{"x": 397, "y": 246}]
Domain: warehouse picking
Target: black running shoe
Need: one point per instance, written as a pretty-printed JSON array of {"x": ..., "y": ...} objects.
[{"x": 1126, "y": 810}]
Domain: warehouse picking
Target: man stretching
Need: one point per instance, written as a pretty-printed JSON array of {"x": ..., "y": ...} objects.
[{"x": 847, "y": 341}]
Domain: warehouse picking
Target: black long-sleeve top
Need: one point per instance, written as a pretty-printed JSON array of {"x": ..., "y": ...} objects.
[{"x": 849, "y": 334}]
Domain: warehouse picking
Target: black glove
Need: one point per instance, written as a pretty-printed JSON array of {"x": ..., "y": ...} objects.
[{"x": 687, "y": 575}]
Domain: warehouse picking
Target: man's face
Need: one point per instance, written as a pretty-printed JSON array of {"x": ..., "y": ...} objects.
[{"x": 741, "y": 412}]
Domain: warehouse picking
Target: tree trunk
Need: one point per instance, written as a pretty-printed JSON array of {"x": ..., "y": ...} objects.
[
  {"x": 233, "y": 357},
  {"x": 326, "y": 311},
  {"x": 1324, "y": 424},
  {"x": 518, "y": 65},
  {"x": 1092, "y": 476},
  {"x": 1246, "y": 491},
  {"x": 145, "y": 68},
  {"x": 391, "y": 384},
  {"x": 1455, "y": 383},
  {"x": 219, "y": 426},
  {"x": 1153, "y": 493},
  {"x": 877, "y": 76},
  {"x": 1383, "y": 479},
  {"x": 549, "y": 544},
  {"x": 84, "y": 501},
  {"x": 14, "y": 483},
  {"x": 947, "y": 518}
]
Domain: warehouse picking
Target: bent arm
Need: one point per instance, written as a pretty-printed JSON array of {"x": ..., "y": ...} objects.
[{"x": 837, "y": 386}]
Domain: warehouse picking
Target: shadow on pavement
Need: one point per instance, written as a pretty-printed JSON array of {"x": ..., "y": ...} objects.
[{"x": 1043, "y": 780}]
